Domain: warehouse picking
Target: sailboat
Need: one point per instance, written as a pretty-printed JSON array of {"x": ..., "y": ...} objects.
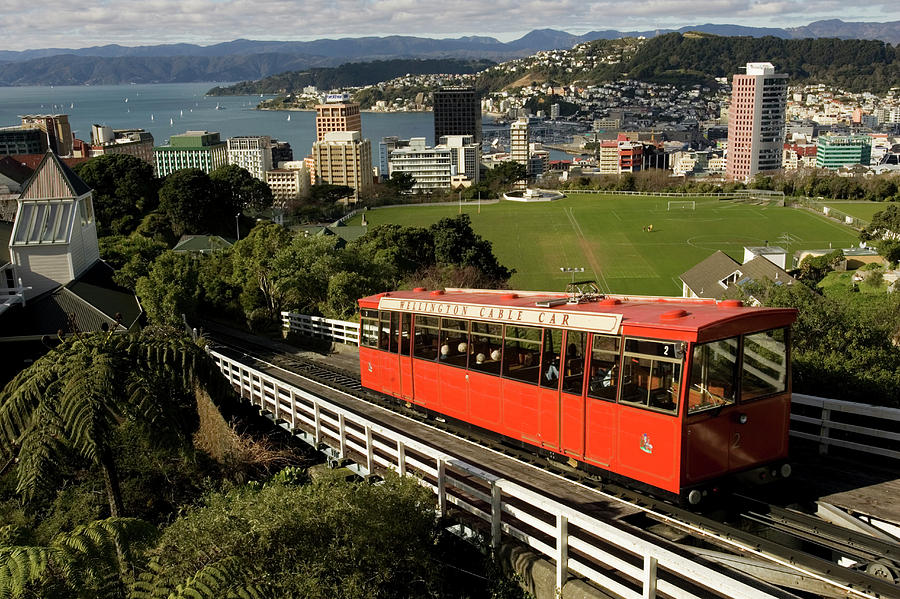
[
  {"x": 126, "y": 100},
  {"x": 289, "y": 117},
  {"x": 151, "y": 117},
  {"x": 171, "y": 122},
  {"x": 72, "y": 105},
  {"x": 182, "y": 112}
]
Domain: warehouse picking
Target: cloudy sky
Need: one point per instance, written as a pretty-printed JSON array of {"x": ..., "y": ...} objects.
[{"x": 74, "y": 24}]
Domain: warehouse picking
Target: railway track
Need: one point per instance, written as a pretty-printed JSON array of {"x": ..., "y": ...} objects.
[{"x": 780, "y": 545}]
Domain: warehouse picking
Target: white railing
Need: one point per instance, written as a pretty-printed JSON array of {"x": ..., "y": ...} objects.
[
  {"x": 607, "y": 555},
  {"x": 738, "y": 193},
  {"x": 850, "y": 425},
  {"x": 317, "y": 326}
]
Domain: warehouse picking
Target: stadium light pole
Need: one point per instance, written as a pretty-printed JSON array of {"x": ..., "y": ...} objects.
[
  {"x": 237, "y": 225},
  {"x": 571, "y": 269}
]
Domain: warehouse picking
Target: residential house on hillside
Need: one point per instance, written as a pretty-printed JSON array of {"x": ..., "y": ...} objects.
[
  {"x": 720, "y": 274},
  {"x": 52, "y": 281}
]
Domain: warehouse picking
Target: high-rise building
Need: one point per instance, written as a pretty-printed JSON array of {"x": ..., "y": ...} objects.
[
  {"x": 22, "y": 140},
  {"x": 457, "y": 111},
  {"x": 344, "y": 158},
  {"x": 56, "y": 126},
  {"x": 518, "y": 141},
  {"x": 835, "y": 151},
  {"x": 135, "y": 142},
  {"x": 385, "y": 147},
  {"x": 337, "y": 116},
  {"x": 465, "y": 155},
  {"x": 193, "y": 149},
  {"x": 289, "y": 182},
  {"x": 756, "y": 121},
  {"x": 253, "y": 153},
  {"x": 281, "y": 152}
]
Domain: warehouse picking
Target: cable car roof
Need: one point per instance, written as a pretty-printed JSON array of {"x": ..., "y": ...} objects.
[{"x": 688, "y": 319}]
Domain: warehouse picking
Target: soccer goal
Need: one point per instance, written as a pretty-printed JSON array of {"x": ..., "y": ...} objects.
[{"x": 682, "y": 205}]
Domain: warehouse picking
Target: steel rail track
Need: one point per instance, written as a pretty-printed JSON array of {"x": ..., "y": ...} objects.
[{"x": 846, "y": 581}]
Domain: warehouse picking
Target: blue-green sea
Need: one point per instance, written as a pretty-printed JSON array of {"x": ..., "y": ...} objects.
[{"x": 166, "y": 109}]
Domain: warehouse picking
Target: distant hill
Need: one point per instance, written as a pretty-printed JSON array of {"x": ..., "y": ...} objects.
[
  {"x": 350, "y": 75},
  {"x": 251, "y": 59},
  {"x": 698, "y": 58}
]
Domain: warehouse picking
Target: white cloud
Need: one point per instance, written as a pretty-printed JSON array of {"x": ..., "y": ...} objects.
[{"x": 63, "y": 23}]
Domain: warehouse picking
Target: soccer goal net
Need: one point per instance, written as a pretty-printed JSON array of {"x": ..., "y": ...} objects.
[{"x": 682, "y": 205}]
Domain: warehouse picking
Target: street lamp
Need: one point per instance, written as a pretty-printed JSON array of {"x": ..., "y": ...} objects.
[{"x": 237, "y": 225}]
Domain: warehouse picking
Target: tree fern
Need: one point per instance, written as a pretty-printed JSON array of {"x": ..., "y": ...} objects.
[
  {"x": 86, "y": 559},
  {"x": 227, "y": 578}
]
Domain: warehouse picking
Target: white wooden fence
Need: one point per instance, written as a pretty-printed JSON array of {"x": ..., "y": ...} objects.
[
  {"x": 318, "y": 326},
  {"x": 850, "y": 425},
  {"x": 611, "y": 557},
  {"x": 828, "y": 422}
]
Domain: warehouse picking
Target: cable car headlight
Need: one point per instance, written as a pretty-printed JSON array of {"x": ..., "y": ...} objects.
[
  {"x": 785, "y": 470},
  {"x": 743, "y": 419}
]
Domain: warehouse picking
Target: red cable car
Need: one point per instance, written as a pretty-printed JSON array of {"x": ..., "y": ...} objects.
[{"x": 671, "y": 393}]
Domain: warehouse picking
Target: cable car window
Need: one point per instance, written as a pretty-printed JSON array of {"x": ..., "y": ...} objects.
[
  {"x": 764, "y": 369},
  {"x": 713, "y": 375},
  {"x": 522, "y": 354},
  {"x": 487, "y": 345},
  {"x": 368, "y": 329},
  {"x": 650, "y": 377},
  {"x": 426, "y": 340},
  {"x": 573, "y": 377},
  {"x": 405, "y": 326},
  {"x": 550, "y": 358},
  {"x": 454, "y": 341},
  {"x": 395, "y": 332},
  {"x": 384, "y": 335},
  {"x": 604, "y": 375}
]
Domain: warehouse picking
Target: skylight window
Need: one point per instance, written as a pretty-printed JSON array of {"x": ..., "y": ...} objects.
[{"x": 43, "y": 222}]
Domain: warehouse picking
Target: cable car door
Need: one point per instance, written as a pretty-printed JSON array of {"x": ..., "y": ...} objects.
[
  {"x": 571, "y": 394},
  {"x": 405, "y": 355}
]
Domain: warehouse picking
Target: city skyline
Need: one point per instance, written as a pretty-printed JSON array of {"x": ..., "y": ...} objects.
[{"x": 60, "y": 24}]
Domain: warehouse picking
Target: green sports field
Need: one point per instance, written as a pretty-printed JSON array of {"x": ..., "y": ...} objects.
[
  {"x": 605, "y": 236},
  {"x": 863, "y": 210}
]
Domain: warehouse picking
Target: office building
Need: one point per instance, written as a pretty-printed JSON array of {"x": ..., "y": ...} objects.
[
  {"x": 193, "y": 149},
  {"x": 21, "y": 140},
  {"x": 385, "y": 147},
  {"x": 344, "y": 158},
  {"x": 465, "y": 156},
  {"x": 430, "y": 167},
  {"x": 253, "y": 153},
  {"x": 756, "y": 121},
  {"x": 134, "y": 142},
  {"x": 289, "y": 182},
  {"x": 57, "y": 129},
  {"x": 337, "y": 116},
  {"x": 281, "y": 152},
  {"x": 835, "y": 151},
  {"x": 457, "y": 111}
]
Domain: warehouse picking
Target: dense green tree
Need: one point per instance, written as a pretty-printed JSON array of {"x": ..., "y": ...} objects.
[
  {"x": 399, "y": 250},
  {"x": 124, "y": 190},
  {"x": 188, "y": 200},
  {"x": 325, "y": 193},
  {"x": 814, "y": 268},
  {"x": 884, "y": 230},
  {"x": 400, "y": 182},
  {"x": 170, "y": 288},
  {"x": 131, "y": 256},
  {"x": 69, "y": 401},
  {"x": 239, "y": 191},
  {"x": 329, "y": 539},
  {"x": 457, "y": 244},
  {"x": 251, "y": 261}
]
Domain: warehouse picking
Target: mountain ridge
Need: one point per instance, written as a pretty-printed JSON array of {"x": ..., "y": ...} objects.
[{"x": 244, "y": 59}]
